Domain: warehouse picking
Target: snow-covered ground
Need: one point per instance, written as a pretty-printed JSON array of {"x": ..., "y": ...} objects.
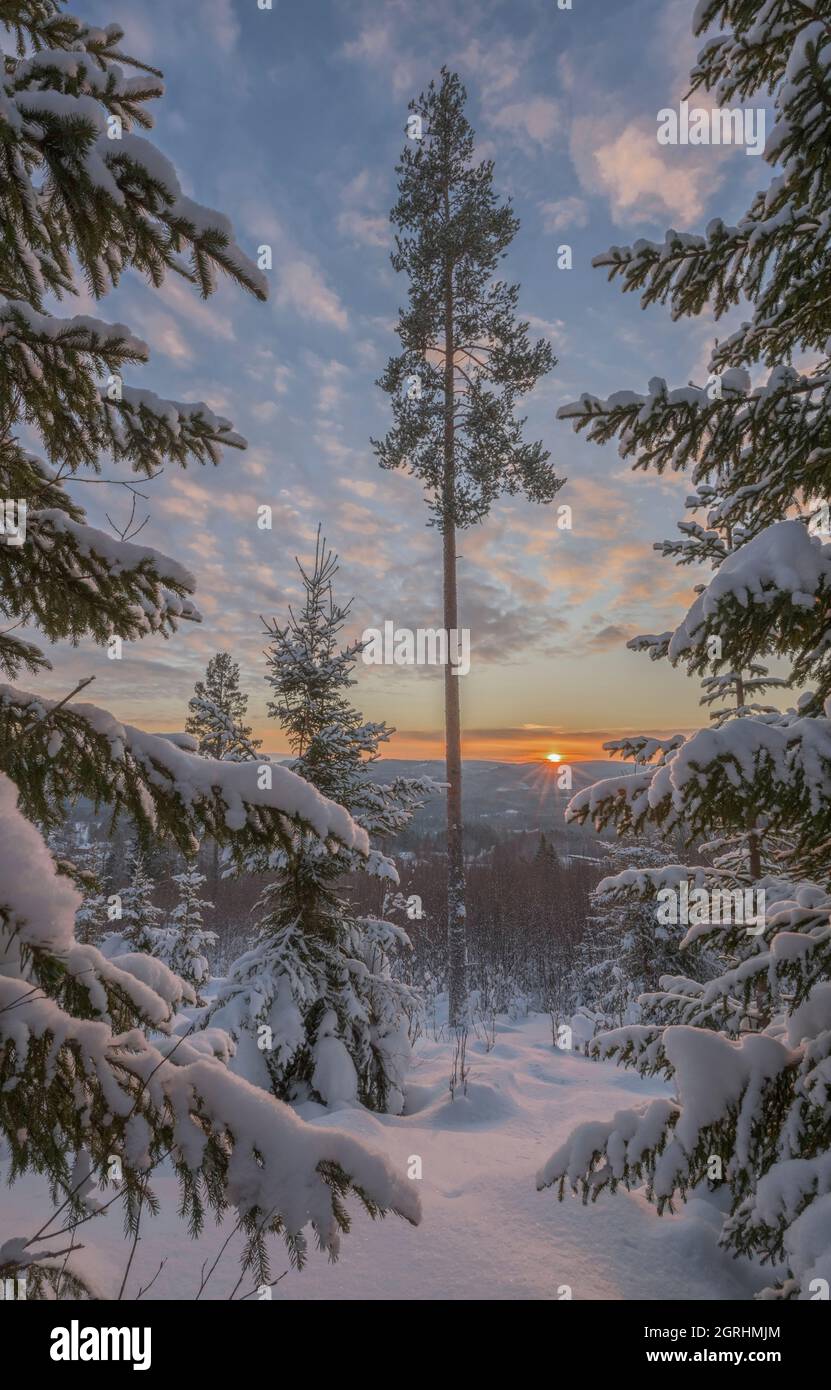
[{"x": 486, "y": 1232}]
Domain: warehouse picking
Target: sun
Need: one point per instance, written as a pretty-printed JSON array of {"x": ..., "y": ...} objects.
[{"x": 554, "y": 757}]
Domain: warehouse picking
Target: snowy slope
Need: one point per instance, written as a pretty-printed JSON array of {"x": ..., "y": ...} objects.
[{"x": 486, "y": 1232}]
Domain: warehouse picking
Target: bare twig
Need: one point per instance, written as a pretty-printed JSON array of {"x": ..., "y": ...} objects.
[
  {"x": 153, "y": 1280},
  {"x": 224, "y": 1247},
  {"x": 127, "y": 533},
  {"x": 53, "y": 711},
  {"x": 136, "y": 1236}
]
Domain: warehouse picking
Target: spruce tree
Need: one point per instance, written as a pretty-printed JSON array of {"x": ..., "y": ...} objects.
[
  {"x": 465, "y": 363},
  {"x": 93, "y": 858},
  {"x": 314, "y": 1006},
  {"x": 624, "y": 953},
  {"x": 87, "y": 1068},
  {"x": 545, "y": 855},
  {"x": 138, "y": 917},
  {"x": 216, "y": 720},
  {"x": 183, "y": 940},
  {"x": 217, "y": 713},
  {"x": 747, "y": 1051},
  {"x": 85, "y": 862}
]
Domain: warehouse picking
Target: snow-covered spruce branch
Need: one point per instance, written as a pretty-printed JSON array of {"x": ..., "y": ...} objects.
[
  {"x": 772, "y": 594},
  {"x": 781, "y": 763},
  {"x": 55, "y": 754},
  {"x": 83, "y": 582},
  {"x": 76, "y": 1083},
  {"x": 667, "y": 1145},
  {"x": 772, "y": 437},
  {"x": 57, "y": 365},
  {"x": 56, "y": 106}
]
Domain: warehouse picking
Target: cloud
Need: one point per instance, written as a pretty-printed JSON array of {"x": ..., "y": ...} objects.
[
  {"x": 563, "y": 213},
  {"x": 265, "y": 411},
  {"x": 218, "y": 17},
  {"x": 612, "y": 635},
  {"x": 555, "y": 331},
  {"x": 303, "y": 288},
  {"x": 282, "y": 377},
  {"x": 376, "y": 45},
  {"x": 537, "y": 119},
  {"x": 301, "y": 285},
  {"x": 620, "y": 158},
  {"x": 359, "y": 485},
  {"x": 330, "y": 378},
  {"x": 372, "y": 44},
  {"x": 162, "y": 333},
  {"x": 363, "y": 228},
  {"x": 352, "y": 517},
  {"x": 361, "y": 219},
  {"x": 641, "y": 179},
  {"x": 183, "y": 300},
  {"x": 175, "y": 308},
  {"x": 496, "y": 64}
]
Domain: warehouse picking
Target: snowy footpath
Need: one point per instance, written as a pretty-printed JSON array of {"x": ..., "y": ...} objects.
[{"x": 486, "y": 1232}]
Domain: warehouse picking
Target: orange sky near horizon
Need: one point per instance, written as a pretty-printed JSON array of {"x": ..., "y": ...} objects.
[
  {"x": 514, "y": 745},
  {"x": 530, "y": 744}
]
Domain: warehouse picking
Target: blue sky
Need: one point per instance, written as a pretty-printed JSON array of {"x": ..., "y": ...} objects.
[{"x": 291, "y": 121}]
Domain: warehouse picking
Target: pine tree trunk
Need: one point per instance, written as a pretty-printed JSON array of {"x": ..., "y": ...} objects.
[
  {"x": 456, "y": 920},
  {"x": 215, "y": 872}
]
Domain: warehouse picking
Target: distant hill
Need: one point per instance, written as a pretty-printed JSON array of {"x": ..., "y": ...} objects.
[{"x": 506, "y": 796}]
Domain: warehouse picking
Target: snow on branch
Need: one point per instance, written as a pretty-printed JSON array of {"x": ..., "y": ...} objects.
[
  {"x": 164, "y": 787},
  {"x": 779, "y": 578},
  {"x": 720, "y": 777},
  {"x": 663, "y": 1140},
  {"x": 252, "y": 1152}
]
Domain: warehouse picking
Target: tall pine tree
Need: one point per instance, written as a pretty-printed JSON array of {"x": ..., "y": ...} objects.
[{"x": 465, "y": 363}]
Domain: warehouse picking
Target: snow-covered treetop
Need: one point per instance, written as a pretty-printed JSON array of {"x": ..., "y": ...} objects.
[
  {"x": 309, "y": 671},
  {"x": 216, "y": 713}
]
